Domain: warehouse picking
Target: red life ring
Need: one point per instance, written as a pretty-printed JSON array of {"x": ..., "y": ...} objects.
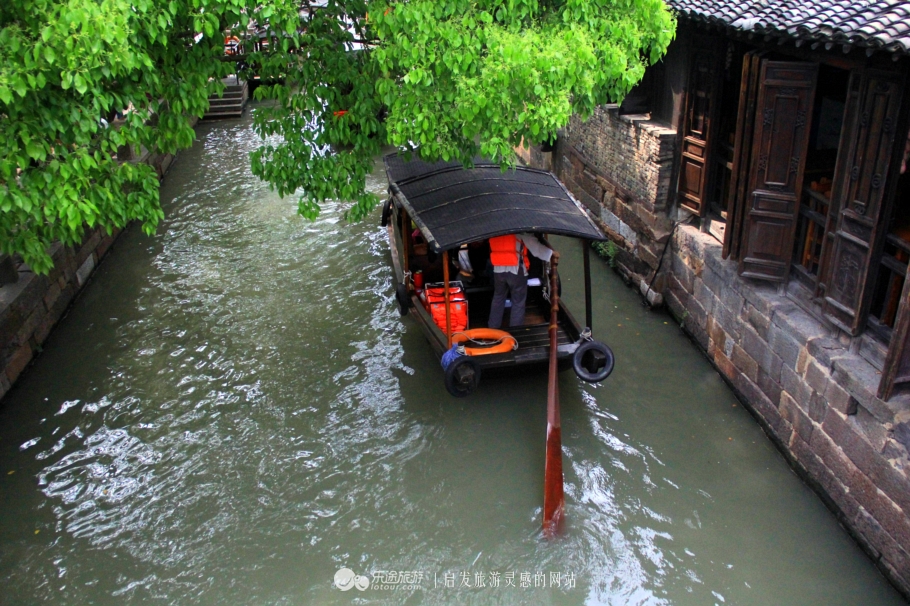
[
  {"x": 231, "y": 45},
  {"x": 501, "y": 341}
]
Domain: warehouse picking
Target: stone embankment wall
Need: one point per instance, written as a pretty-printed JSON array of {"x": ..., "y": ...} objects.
[
  {"x": 805, "y": 383},
  {"x": 32, "y": 306},
  {"x": 814, "y": 396},
  {"x": 620, "y": 168}
]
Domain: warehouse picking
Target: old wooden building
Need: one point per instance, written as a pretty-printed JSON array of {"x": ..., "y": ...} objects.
[
  {"x": 760, "y": 170},
  {"x": 798, "y": 153}
]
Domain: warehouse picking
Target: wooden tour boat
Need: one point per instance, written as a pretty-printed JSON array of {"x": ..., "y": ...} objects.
[{"x": 440, "y": 218}]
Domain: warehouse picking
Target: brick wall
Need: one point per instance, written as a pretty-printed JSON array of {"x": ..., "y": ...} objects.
[
  {"x": 620, "y": 168},
  {"x": 633, "y": 152}
]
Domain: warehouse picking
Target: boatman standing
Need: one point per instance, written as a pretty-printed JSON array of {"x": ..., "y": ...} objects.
[{"x": 509, "y": 257}]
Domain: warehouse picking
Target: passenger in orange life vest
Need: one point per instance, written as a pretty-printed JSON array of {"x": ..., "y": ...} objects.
[{"x": 510, "y": 277}]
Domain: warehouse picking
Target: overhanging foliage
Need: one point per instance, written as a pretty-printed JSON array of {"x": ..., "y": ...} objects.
[{"x": 451, "y": 78}]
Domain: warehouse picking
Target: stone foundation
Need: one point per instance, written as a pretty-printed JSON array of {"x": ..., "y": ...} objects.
[
  {"x": 620, "y": 168},
  {"x": 812, "y": 394},
  {"x": 30, "y": 307},
  {"x": 810, "y": 387}
]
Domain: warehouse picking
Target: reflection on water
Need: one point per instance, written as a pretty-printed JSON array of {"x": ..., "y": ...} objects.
[{"x": 234, "y": 410}]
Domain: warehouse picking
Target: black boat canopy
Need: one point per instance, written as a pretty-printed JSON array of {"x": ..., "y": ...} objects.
[{"x": 452, "y": 205}]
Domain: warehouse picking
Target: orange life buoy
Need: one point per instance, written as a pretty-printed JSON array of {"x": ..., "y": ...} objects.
[
  {"x": 231, "y": 45},
  {"x": 501, "y": 341}
]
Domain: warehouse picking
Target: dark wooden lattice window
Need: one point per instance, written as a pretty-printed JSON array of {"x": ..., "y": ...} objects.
[
  {"x": 859, "y": 186},
  {"x": 814, "y": 228}
]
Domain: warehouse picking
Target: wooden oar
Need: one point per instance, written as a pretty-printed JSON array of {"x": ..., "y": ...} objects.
[{"x": 553, "y": 497}]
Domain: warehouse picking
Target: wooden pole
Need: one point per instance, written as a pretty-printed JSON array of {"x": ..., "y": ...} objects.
[
  {"x": 586, "y": 248},
  {"x": 553, "y": 495},
  {"x": 445, "y": 279}
]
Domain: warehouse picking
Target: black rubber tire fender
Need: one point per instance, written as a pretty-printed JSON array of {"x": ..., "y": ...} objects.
[
  {"x": 462, "y": 376},
  {"x": 589, "y": 350},
  {"x": 386, "y": 213},
  {"x": 404, "y": 299}
]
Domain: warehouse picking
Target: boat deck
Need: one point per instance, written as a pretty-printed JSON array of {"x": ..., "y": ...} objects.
[{"x": 537, "y": 335}]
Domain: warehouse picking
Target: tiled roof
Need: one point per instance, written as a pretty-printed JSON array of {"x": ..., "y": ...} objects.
[{"x": 873, "y": 24}]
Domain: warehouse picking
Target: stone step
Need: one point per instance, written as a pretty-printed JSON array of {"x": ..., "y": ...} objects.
[
  {"x": 230, "y": 104},
  {"x": 216, "y": 101},
  {"x": 212, "y": 117},
  {"x": 234, "y": 113}
]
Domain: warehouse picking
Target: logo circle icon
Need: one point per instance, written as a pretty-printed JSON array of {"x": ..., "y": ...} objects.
[
  {"x": 361, "y": 582},
  {"x": 344, "y": 579}
]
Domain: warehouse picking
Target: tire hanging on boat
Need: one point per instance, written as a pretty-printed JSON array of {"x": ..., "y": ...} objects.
[
  {"x": 593, "y": 361},
  {"x": 386, "y": 213},
  {"x": 462, "y": 376},
  {"x": 404, "y": 299}
]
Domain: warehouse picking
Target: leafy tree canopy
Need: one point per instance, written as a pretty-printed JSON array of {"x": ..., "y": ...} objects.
[{"x": 448, "y": 78}]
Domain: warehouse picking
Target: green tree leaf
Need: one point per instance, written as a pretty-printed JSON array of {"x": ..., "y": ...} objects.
[
  {"x": 80, "y": 84},
  {"x": 454, "y": 77}
]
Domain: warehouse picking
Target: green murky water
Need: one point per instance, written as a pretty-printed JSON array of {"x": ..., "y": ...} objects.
[{"x": 233, "y": 411}]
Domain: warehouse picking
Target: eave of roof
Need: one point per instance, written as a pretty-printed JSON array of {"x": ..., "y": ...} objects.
[
  {"x": 452, "y": 205},
  {"x": 876, "y": 25}
]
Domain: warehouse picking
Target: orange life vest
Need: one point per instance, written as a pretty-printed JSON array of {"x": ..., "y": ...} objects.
[
  {"x": 503, "y": 252},
  {"x": 458, "y": 307}
]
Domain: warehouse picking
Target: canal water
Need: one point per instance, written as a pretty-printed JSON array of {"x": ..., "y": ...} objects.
[{"x": 233, "y": 411}]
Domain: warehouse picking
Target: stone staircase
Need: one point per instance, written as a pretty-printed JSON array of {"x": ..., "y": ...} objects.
[{"x": 231, "y": 103}]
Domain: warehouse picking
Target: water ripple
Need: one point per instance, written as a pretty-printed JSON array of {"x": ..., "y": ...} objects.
[{"x": 234, "y": 410}]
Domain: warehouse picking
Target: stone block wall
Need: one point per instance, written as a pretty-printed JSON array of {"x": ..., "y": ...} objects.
[
  {"x": 620, "y": 168},
  {"x": 815, "y": 397},
  {"x": 533, "y": 155},
  {"x": 30, "y": 307},
  {"x": 807, "y": 384}
]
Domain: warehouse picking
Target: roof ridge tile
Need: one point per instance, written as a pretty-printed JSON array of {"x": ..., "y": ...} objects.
[{"x": 878, "y": 24}]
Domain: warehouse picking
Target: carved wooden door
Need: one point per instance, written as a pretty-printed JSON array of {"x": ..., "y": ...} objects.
[
  {"x": 701, "y": 100},
  {"x": 782, "y": 120},
  {"x": 742, "y": 153},
  {"x": 859, "y": 186}
]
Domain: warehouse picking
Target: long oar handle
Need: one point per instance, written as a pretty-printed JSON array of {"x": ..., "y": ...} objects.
[
  {"x": 552, "y": 394},
  {"x": 553, "y": 495}
]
